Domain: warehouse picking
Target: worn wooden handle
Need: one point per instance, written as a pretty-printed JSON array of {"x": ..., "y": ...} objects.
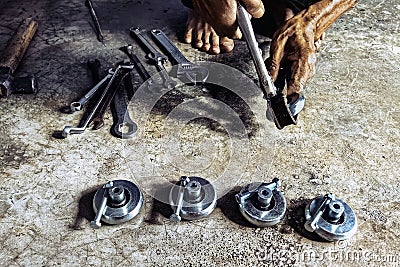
[{"x": 18, "y": 45}]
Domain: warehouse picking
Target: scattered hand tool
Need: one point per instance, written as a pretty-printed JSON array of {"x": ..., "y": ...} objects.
[
  {"x": 155, "y": 58},
  {"x": 11, "y": 58},
  {"x": 128, "y": 50},
  {"x": 124, "y": 127},
  {"x": 186, "y": 69},
  {"x": 281, "y": 111},
  {"x": 101, "y": 105},
  {"x": 89, "y": 4},
  {"x": 78, "y": 105},
  {"x": 98, "y": 118}
]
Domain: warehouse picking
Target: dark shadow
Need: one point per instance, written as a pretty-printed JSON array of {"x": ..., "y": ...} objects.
[
  {"x": 295, "y": 219},
  {"x": 230, "y": 208},
  {"x": 85, "y": 209},
  {"x": 160, "y": 207}
]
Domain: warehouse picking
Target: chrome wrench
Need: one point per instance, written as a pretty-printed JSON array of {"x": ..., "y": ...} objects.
[
  {"x": 68, "y": 130},
  {"x": 78, "y": 105},
  {"x": 155, "y": 57},
  {"x": 128, "y": 50},
  {"x": 279, "y": 110},
  {"x": 186, "y": 69}
]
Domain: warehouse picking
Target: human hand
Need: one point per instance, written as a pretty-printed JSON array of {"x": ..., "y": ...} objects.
[
  {"x": 293, "y": 47},
  {"x": 221, "y": 14}
]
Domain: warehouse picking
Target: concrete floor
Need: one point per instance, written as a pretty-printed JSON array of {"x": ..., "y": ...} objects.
[{"x": 347, "y": 142}]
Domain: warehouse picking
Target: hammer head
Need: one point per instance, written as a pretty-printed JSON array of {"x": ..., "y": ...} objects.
[
  {"x": 10, "y": 85},
  {"x": 283, "y": 112}
]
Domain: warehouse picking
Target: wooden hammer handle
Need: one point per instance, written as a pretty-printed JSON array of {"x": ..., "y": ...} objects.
[{"x": 18, "y": 45}]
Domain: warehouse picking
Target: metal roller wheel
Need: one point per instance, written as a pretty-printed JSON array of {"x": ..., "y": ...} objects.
[
  {"x": 262, "y": 204},
  {"x": 116, "y": 202},
  {"x": 192, "y": 198},
  {"x": 331, "y": 218}
]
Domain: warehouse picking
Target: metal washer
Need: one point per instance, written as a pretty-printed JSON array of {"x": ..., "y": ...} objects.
[
  {"x": 200, "y": 208},
  {"x": 250, "y": 209},
  {"x": 344, "y": 228},
  {"x": 116, "y": 214}
]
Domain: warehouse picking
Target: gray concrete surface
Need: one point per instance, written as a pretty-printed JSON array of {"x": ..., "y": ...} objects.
[{"x": 347, "y": 143}]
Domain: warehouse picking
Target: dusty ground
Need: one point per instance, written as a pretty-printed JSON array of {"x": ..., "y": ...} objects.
[{"x": 347, "y": 143}]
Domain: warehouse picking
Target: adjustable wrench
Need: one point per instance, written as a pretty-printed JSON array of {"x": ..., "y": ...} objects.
[
  {"x": 112, "y": 84},
  {"x": 128, "y": 50},
  {"x": 155, "y": 57},
  {"x": 281, "y": 111},
  {"x": 192, "y": 72},
  {"x": 78, "y": 105}
]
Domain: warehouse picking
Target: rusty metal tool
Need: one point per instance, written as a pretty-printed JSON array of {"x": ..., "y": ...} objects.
[
  {"x": 96, "y": 22},
  {"x": 280, "y": 110},
  {"x": 11, "y": 58}
]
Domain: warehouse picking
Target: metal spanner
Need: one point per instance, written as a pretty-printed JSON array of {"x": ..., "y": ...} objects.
[
  {"x": 186, "y": 69},
  {"x": 114, "y": 81},
  {"x": 155, "y": 58},
  {"x": 128, "y": 50},
  {"x": 78, "y": 105},
  {"x": 124, "y": 127}
]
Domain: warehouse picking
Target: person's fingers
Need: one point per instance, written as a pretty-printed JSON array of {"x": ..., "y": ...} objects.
[
  {"x": 318, "y": 43},
  {"x": 276, "y": 54},
  {"x": 254, "y": 7},
  {"x": 302, "y": 70},
  {"x": 215, "y": 49}
]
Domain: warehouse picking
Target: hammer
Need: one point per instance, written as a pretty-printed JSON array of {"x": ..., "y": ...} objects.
[
  {"x": 11, "y": 58},
  {"x": 281, "y": 111}
]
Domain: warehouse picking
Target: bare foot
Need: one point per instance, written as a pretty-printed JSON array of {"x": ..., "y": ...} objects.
[{"x": 201, "y": 35}]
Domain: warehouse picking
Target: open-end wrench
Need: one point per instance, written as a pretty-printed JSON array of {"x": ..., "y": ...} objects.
[
  {"x": 279, "y": 110},
  {"x": 124, "y": 127},
  {"x": 128, "y": 50},
  {"x": 78, "y": 105},
  {"x": 186, "y": 70},
  {"x": 155, "y": 57},
  {"x": 114, "y": 81}
]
